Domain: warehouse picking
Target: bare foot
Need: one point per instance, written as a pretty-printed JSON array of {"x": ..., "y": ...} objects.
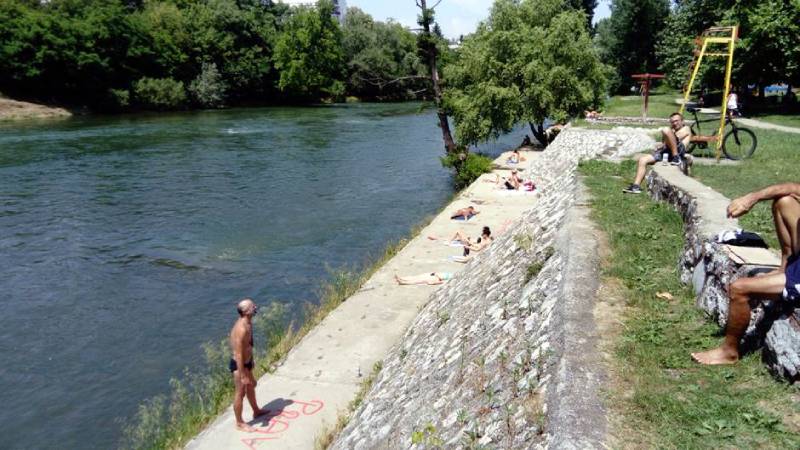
[
  {"x": 433, "y": 238},
  {"x": 716, "y": 356},
  {"x": 241, "y": 426}
]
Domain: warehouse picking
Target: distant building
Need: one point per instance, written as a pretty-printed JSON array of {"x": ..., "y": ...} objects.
[{"x": 339, "y": 6}]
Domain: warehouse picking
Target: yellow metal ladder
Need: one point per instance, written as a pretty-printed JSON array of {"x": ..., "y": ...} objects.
[{"x": 714, "y": 36}]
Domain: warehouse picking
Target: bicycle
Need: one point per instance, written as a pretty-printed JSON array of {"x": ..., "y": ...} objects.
[{"x": 738, "y": 142}]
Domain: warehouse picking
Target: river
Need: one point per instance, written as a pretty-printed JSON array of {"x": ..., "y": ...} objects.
[{"x": 126, "y": 241}]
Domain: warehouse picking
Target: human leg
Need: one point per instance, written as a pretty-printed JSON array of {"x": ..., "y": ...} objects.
[
  {"x": 741, "y": 292},
  {"x": 415, "y": 279},
  {"x": 641, "y": 168},
  {"x": 238, "y": 401},
  {"x": 670, "y": 140},
  {"x": 251, "y": 398},
  {"x": 786, "y": 214}
]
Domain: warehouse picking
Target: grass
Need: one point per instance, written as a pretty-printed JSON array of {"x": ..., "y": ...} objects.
[
  {"x": 666, "y": 400},
  {"x": 170, "y": 421},
  {"x": 660, "y": 105},
  {"x": 787, "y": 120},
  {"x": 775, "y": 160}
]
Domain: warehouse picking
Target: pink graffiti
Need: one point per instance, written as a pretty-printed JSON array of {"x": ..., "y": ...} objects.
[{"x": 280, "y": 421}]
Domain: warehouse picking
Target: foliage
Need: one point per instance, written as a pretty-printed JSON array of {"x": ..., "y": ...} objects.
[
  {"x": 469, "y": 166},
  {"x": 381, "y": 58},
  {"x": 309, "y": 53},
  {"x": 587, "y": 6},
  {"x": 629, "y": 37},
  {"x": 208, "y": 89},
  {"x": 768, "y": 51},
  {"x": 159, "y": 93},
  {"x": 530, "y": 61},
  {"x": 663, "y": 398}
]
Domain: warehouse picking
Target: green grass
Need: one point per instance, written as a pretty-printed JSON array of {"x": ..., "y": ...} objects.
[
  {"x": 666, "y": 400},
  {"x": 776, "y": 160},
  {"x": 787, "y": 120},
  {"x": 200, "y": 395},
  {"x": 661, "y": 104}
]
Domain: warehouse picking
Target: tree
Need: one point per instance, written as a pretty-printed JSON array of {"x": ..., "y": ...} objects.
[
  {"x": 587, "y": 6},
  {"x": 381, "y": 58},
  {"x": 633, "y": 29},
  {"x": 309, "y": 54},
  {"x": 768, "y": 50},
  {"x": 208, "y": 89},
  {"x": 530, "y": 61},
  {"x": 427, "y": 44}
]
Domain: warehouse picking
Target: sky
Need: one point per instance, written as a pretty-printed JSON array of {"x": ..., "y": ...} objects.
[{"x": 455, "y": 17}]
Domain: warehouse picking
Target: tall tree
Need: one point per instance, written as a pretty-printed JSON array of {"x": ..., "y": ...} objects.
[
  {"x": 634, "y": 26},
  {"x": 529, "y": 62},
  {"x": 309, "y": 54},
  {"x": 587, "y": 6},
  {"x": 427, "y": 44}
]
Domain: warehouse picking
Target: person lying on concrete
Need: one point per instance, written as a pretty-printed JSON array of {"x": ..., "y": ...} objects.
[
  {"x": 782, "y": 283},
  {"x": 674, "y": 140},
  {"x": 464, "y": 213},
  {"x": 425, "y": 278},
  {"x": 481, "y": 243},
  {"x": 241, "y": 365},
  {"x": 460, "y": 237}
]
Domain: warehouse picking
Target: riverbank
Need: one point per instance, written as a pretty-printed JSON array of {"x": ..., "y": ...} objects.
[
  {"x": 13, "y": 110},
  {"x": 323, "y": 373}
]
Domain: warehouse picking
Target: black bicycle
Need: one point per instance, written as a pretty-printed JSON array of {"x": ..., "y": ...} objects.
[{"x": 738, "y": 142}]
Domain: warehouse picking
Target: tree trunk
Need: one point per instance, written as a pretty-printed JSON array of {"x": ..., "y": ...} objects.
[
  {"x": 538, "y": 133},
  {"x": 449, "y": 144}
]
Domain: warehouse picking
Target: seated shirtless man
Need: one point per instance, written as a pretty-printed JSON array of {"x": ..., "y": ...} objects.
[
  {"x": 782, "y": 283},
  {"x": 674, "y": 141}
]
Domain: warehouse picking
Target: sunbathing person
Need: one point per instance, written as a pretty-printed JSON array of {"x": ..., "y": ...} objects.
[
  {"x": 464, "y": 213},
  {"x": 674, "y": 140},
  {"x": 782, "y": 283},
  {"x": 481, "y": 243},
  {"x": 515, "y": 157},
  {"x": 425, "y": 278}
]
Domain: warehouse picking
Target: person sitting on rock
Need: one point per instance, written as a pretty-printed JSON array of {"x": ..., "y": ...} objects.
[
  {"x": 674, "y": 140},
  {"x": 781, "y": 283}
]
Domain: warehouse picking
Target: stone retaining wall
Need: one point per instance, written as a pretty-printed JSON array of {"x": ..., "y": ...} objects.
[
  {"x": 711, "y": 267},
  {"x": 491, "y": 359}
]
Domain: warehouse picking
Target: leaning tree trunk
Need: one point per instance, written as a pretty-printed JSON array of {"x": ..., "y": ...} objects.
[
  {"x": 430, "y": 52},
  {"x": 539, "y": 133}
]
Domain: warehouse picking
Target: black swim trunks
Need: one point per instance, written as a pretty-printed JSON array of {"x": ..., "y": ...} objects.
[
  {"x": 664, "y": 150},
  {"x": 791, "y": 291},
  {"x": 232, "y": 365}
]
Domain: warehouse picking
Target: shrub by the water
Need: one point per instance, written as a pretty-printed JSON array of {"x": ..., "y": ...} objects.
[
  {"x": 469, "y": 169},
  {"x": 159, "y": 93},
  {"x": 208, "y": 89}
]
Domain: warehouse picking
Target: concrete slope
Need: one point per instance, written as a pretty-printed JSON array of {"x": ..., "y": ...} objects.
[{"x": 322, "y": 374}]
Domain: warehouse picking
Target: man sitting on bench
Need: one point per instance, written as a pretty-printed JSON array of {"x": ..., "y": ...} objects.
[
  {"x": 781, "y": 283},
  {"x": 674, "y": 141}
]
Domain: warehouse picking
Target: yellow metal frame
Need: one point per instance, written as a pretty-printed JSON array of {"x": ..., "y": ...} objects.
[{"x": 716, "y": 35}]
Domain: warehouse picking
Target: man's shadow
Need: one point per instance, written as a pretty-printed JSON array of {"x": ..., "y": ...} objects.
[{"x": 273, "y": 409}]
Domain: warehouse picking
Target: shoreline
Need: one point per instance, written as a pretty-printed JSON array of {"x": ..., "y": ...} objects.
[
  {"x": 327, "y": 366},
  {"x": 15, "y": 110}
]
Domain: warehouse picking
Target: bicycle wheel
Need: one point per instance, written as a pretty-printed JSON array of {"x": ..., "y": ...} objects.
[{"x": 739, "y": 143}]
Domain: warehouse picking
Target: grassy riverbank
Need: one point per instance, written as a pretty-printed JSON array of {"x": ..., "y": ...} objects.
[
  {"x": 662, "y": 398},
  {"x": 196, "y": 399},
  {"x": 775, "y": 161}
]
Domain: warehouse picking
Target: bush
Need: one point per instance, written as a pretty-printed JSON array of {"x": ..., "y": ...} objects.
[
  {"x": 468, "y": 166},
  {"x": 159, "y": 93},
  {"x": 208, "y": 89}
]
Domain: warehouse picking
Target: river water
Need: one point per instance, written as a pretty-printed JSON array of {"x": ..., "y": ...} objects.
[{"x": 126, "y": 241}]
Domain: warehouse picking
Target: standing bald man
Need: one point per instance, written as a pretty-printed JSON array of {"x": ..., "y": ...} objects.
[{"x": 241, "y": 364}]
